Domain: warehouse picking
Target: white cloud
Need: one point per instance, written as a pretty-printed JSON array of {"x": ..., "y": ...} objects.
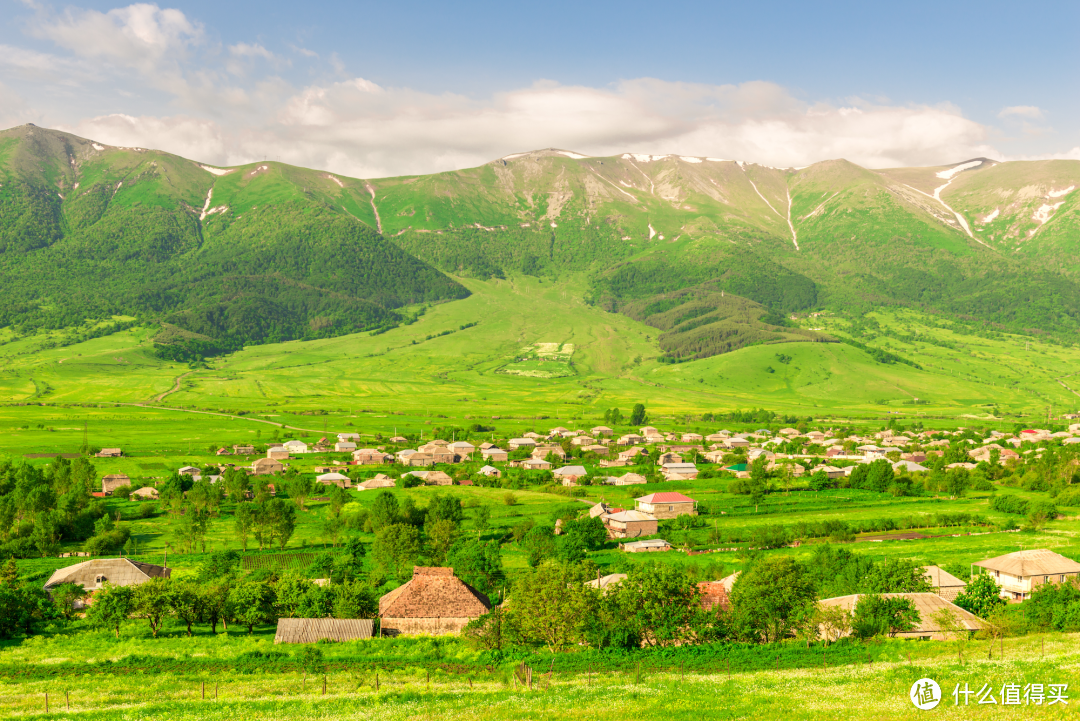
[
  {"x": 1029, "y": 112},
  {"x": 139, "y": 36},
  {"x": 188, "y": 137},
  {"x": 250, "y": 50}
]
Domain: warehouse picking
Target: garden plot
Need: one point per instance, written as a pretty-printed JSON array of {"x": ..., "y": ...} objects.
[{"x": 542, "y": 360}]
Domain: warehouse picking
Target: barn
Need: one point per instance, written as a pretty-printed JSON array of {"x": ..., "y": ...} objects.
[{"x": 434, "y": 602}]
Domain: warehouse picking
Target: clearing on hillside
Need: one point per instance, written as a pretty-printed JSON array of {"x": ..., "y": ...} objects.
[{"x": 542, "y": 360}]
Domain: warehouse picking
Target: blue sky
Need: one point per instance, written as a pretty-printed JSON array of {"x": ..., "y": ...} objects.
[{"x": 373, "y": 89}]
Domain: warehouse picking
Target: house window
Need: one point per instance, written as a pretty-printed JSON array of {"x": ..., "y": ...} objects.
[{"x": 1046, "y": 579}]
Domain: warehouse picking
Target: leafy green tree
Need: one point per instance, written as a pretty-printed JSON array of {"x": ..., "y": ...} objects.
[
  {"x": 396, "y": 548},
  {"x": 252, "y": 604},
  {"x": 444, "y": 507},
  {"x": 479, "y": 564},
  {"x": 981, "y": 597},
  {"x": 150, "y": 600},
  {"x": 876, "y": 615},
  {"x": 187, "y": 602},
  {"x": 244, "y": 521},
  {"x": 237, "y": 484},
  {"x": 441, "y": 535},
  {"x": 551, "y": 605},
  {"x": 770, "y": 597},
  {"x": 111, "y": 607},
  {"x": 353, "y": 599},
  {"x": 216, "y": 602},
  {"x": 539, "y": 544},
  {"x": 339, "y": 498},
  {"x": 65, "y": 596},
  {"x": 658, "y": 604},
  {"x": 384, "y": 511},
  {"x": 638, "y": 416},
  {"x": 590, "y": 531},
  {"x": 300, "y": 488},
  {"x": 482, "y": 518}
]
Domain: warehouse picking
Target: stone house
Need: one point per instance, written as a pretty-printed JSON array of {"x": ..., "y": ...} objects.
[
  {"x": 668, "y": 504},
  {"x": 434, "y": 602}
]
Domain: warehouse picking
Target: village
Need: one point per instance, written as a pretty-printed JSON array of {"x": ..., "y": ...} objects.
[{"x": 436, "y": 601}]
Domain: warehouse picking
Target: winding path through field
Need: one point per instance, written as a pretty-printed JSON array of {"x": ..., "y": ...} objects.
[
  {"x": 174, "y": 389},
  {"x": 226, "y": 415}
]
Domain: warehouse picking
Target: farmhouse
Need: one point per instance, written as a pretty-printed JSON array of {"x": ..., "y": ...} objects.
[
  {"x": 601, "y": 431},
  {"x": 714, "y": 594},
  {"x": 266, "y": 467},
  {"x": 653, "y": 545},
  {"x": 379, "y": 481},
  {"x": 1020, "y": 572},
  {"x": 437, "y": 478},
  {"x": 494, "y": 455},
  {"x": 419, "y": 459},
  {"x": 680, "y": 471},
  {"x": 313, "y": 630},
  {"x": 92, "y": 575},
  {"x": 434, "y": 601},
  {"x": 223, "y": 452},
  {"x": 630, "y": 439},
  {"x": 348, "y": 437},
  {"x": 344, "y": 447},
  {"x": 113, "y": 481},
  {"x": 629, "y": 524},
  {"x": 243, "y": 450},
  {"x": 668, "y": 504},
  {"x": 535, "y": 464},
  {"x": 462, "y": 448},
  {"x": 927, "y": 604},
  {"x": 295, "y": 446},
  {"x": 543, "y": 451},
  {"x": 944, "y": 583},
  {"x": 278, "y": 453},
  {"x": 334, "y": 479},
  {"x": 109, "y": 453},
  {"x": 516, "y": 443},
  {"x": 605, "y": 582},
  {"x": 490, "y": 472},
  {"x": 370, "y": 457},
  {"x": 630, "y": 479},
  {"x": 570, "y": 473}
]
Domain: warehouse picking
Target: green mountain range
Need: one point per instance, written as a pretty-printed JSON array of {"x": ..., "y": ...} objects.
[{"x": 714, "y": 254}]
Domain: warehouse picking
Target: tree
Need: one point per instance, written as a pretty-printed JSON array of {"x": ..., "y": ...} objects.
[
  {"x": 637, "y": 415},
  {"x": 396, "y": 547},
  {"x": 539, "y": 544},
  {"x": 477, "y": 563},
  {"x": 215, "y": 603},
  {"x": 237, "y": 484},
  {"x": 658, "y": 604},
  {"x": 300, "y": 488},
  {"x": 192, "y": 527},
  {"x": 353, "y": 600},
  {"x": 339, "y": 498},
  {"x": 590, "y": 531},
  {"x": 482, "y": 518},
  {"x": 770, "y": 597},
  {"x": 441, "y": 535},
  {"x": 252, "y": 603},
  {"x": 150, "y": 601},
  {"x": 876, "y": 615},
  {"x": 111, "y": 607},
  {"x": 384, "y": 511},
  {"x": 275, "y": 520},
  {"x": 551, "y": 605},
  {"x": 187, "y": 602},
  {"x": 835, "y": 622},
  {"x": 244, "y": 523},
  {"x": 65, "y": 596},
  {"x": 444, "y": 507},
  {"x": 982, "y": 596}
]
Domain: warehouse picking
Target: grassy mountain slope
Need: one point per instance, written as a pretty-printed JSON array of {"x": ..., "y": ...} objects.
[{"x": 263, "y": 252}]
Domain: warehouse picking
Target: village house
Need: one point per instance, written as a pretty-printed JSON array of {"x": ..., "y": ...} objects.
[
  {"x": 419, "y": 459},
  {"x": 442, "y": 455},
  {"x": 370, "y": 457},
  {"x": 629, "y": 524},
  {"x": 929, "y": 605},
  {"x": 605, "y": 583},
  {"x": 266, "y": 467},
  {"x": 652, "y": 545},
  {"x": 109, "y": 453},
  {"x": 631, "y": 454},
  {"x": 223, "y": 452},
  {"x": 461, "y": 448},
  {"x": 543, "y": 451},
  {"x": 601, "y": 431},
  {"x": 737, "y": 443},
  {"x": 399, "y": 439},
  {"x": 679, "y": 471},
  {"x": 630, "y": 479},
  {"x": 716, "y": 456},
  {"x": 630, "y": 439},
  {"x": 344, "y": 447},
  {"x": 595, "y": 449},
  {"x": 714, "y": 595},
  {"x": 379, "y": 481},
  {"x": 242, "y": 450},
  {"x": 434, "y": 602},
  {"x": 582, "y": 441},
  {"x": 943, "y": 583},
  {"x": 516, "y": 443},
  {"x": 536, "y": 464},
  {"x": 113, "y": 481},
  {"x": 295, "y": 446},
  {"x": 1020, "y": 572},
  {"x": 490, "y": 472},
  {"x": 334, "y": 479},
  {"x": 94, "y": 574},
  {"x": 717, "y": 437},
  {"x": 668, "y": 504},
  {"x": 343, "y": 437},
  {"x": 649, "y": 431},
  {"x": 313, "y": 630},
  {"x": 570, "y": 473},
  {"x": 691, "y": 438},
  {"x": 189, "y": 471},
  {"x": 437, "y": 478},
  {"x": 666, "y": 458},
  {"x": 278, "y": 453},
  {"x": 494, "y": 454},
  {"x": 531, "y": 434}
]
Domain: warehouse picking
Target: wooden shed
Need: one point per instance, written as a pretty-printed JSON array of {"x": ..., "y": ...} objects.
[
  {"x": 113, "y": 481},
  {"x": 312, "y": 630}
]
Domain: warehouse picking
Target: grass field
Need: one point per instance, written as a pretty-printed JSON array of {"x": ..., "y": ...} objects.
[{"x": 419, "y": 372}]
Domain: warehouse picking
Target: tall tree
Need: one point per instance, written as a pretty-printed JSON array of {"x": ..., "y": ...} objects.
[
  {"x": 770, "y": 598},
  {"x": 111, "y": 607},
  {"x": 552, "y": 604}
]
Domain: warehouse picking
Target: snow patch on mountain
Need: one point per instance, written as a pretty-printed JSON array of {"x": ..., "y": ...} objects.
[
  {"x": 1061, "y": 193},
  {"x": 1045, "y": 212},
  {"x": 340, "y": 184},
  {"x": 215, "y": 171},
  {"x": 689, "y": 160},
  {"x": 990, "y": 218},
  {"x": 572, "y": 156},
  {"x": 946, "y": 174},
  {"x": 717, "y": 160},
  {"x": 95, "y": 146},
  {"x": 652, "y": 232}
]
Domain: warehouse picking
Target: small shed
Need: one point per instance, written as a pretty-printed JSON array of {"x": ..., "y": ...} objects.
[
  {"x": 334, "y": 479},
  {"x": 434, "y": 601},
  {"x": 266, "y": 467},
  {"x": 146, "y": 493},
  {"x": 380, "y": 481},
  {"x": 313, "y": 630},
  {"x": 652, "y": 545},
  {"x": 438, "y": 478},
  {"x": 109, "y": 453}
]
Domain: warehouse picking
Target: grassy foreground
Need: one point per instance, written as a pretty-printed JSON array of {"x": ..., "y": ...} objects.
[{"x": 878, "y": 690}]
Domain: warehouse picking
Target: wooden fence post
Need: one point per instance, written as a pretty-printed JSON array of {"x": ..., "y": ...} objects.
[
  {"x": 46, "y": 702},
  {"x": 67, "y": 700},
  {"x": 376, "y": 683},
  {"x": 324, "y": 685},
  {"x": 202, "y": 688}
]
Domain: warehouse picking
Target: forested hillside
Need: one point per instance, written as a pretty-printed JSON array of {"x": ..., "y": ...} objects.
[{"x": 259, "y": 255}]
